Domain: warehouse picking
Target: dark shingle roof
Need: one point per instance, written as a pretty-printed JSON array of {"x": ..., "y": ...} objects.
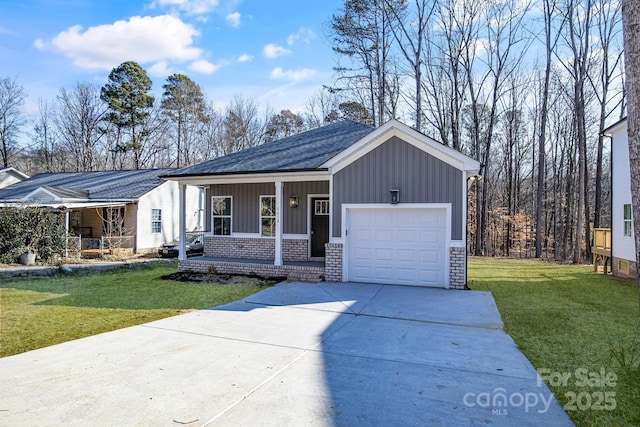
[
  {"x": 67, "y": 193},
  {"x": 109, "y": 185},
  {"x": 307, "y": 150}
]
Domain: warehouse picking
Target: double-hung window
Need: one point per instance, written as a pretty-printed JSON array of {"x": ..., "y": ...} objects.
[
  {"x": 627, "y": 220},
  {"x": 221, "y": 216},
  {"x": 156, "y": 221},
  {"x": 268, "y": 216}
]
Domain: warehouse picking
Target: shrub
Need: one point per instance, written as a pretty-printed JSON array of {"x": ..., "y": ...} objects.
[{"x": 30, "y": 229}]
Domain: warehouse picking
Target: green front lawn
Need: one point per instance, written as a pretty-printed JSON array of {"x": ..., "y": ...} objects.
[
  {"x": 574, "y": 323},
  {"x": 39, "y": 312}
]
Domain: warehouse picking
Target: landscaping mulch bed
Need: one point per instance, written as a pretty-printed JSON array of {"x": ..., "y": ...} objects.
[{"x": 224, "y": 279}]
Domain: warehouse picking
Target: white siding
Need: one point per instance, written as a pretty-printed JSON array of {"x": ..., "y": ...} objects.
[
  {"x": 165, "y": 197},
  {"x": 7, "y": 179},
  {"x": 622, "y": 247}
]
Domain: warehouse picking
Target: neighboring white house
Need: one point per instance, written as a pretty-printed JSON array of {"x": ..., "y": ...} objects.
[
  {"x": 136, "y": 205},
  {"x": 623, "y": 248},
  {"x": 10, "y": 176}
]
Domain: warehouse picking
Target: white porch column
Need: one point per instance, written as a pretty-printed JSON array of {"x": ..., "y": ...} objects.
[
  {"x": 278, "y": 257},
  {"x": 182, "y": 195},
  {"x": 66, "y": 233}
]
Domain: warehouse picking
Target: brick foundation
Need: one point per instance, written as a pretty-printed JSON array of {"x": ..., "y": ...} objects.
[
  {"x": 624, "y": 268},
  {"x": 333, "y": 262},
  {"x": 255, "y": 248},
  {"x": 291, "y": 272},
  {"x": 457, "y": 268}
]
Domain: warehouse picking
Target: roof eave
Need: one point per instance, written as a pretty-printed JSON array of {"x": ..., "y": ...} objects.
[
  {"x": 310, "y": 174},
  {"x": 607, "y": 131}
]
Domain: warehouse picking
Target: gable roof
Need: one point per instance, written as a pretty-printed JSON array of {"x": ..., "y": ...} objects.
[
  {"x": 58, "y": 193},
  {"x": 304, "y": 151},
  {"x": 14, "y": 172},
  {"x": 91, "y": 186},
  {"x": 409, "y": 135}
]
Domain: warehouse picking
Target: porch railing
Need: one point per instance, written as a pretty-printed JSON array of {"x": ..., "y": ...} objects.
[
  {"x": 93, "y": 247},
  {"x": 601, "y": 248}
]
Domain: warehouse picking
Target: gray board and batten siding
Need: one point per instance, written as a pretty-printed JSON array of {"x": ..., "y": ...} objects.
[
  {"x": 420, "y": 177},
  {"x": 245, "y": 212}
]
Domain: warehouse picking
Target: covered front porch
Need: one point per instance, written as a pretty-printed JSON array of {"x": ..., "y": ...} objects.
[
  {"x": 267, "y": 225},
  {"x": 308, "y": 271}
]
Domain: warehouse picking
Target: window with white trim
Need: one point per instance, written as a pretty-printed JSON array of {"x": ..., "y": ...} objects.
[
  {"x": 221, "y": 216},
  {"x": 156, "y": 221},
  {"x": 627, "y": 220},
  {"x": 321, "y": 207},
  {"x": 268, "y": 216}
]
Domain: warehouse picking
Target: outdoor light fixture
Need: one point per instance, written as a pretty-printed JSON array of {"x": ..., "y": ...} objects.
[
  {"x": 293, "y": 201},
  {"x": 395, "y": 196}
]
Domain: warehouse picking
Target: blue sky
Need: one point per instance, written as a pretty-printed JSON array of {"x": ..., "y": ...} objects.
[{"x": 275, "y": 52}]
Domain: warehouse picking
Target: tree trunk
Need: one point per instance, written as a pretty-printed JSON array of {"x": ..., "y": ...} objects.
[{"x": 631, "y": 29}]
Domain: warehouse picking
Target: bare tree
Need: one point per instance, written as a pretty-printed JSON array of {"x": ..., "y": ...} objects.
[
  {"x": 361, "y": 33},
  {"x": 607, "y": 16},
  {"x": 550, "y": 41},
  {"x": 46, "y": 154},
  {"x": 243, "y": 127},
  {"x": 321, "y": 108},
  {"x": 12, "y": 96},
  {"x": 282, "y": 125},
  {"x": 578, "y": 15},
  {"x": 409, "y": 34},
  {"x": 79, "y": 115}
]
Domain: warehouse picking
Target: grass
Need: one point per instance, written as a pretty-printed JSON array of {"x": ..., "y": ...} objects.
[
  {"x": 39, "y": 312},
  {"x": 566, "y": 318}
]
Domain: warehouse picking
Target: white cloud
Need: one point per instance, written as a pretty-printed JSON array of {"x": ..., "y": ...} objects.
[
  {"x": 273, "y": 51},
  {"x": 160, "y": 69},
  {"x": 303, "y": 34},
  {"x": 191, "y": 7},
  {"x": 292, "y": 75},
  {"x": 141, "y": 39},
  {"x": 234, "y": 19},
  {"x": 204, "y": 67},
  {"x": 245, "y": 57}
]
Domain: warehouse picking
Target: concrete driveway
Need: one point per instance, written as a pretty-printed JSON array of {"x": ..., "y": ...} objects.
[{"x": 296, "y": 354}]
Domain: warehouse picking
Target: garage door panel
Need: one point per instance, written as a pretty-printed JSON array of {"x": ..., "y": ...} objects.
[
  {"x": 431, "y": 236},
  {"x": 430, "y": 257},
  {"x": 383, "y": 254},
  {"x": 383, "y": 235},
  {"x": 361, "y": 234},
  {"x": 406, "y": 255},
  {"x": 362, "y": 253},
  {"x": 397, "y": 246},
  {"x": 384, "y": 273},
  {"x": 407, "y": 236}
]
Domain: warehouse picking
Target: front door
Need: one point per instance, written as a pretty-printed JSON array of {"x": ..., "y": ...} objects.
[{"x": 319, "y": 226}]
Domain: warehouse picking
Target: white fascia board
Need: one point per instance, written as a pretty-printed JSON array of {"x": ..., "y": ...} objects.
[
  {"x": 616, "y": 127},
  {"x": 203, "y": 180},
  {"x": 395, "y": 128},
  {"x": 15, "y": 172}
]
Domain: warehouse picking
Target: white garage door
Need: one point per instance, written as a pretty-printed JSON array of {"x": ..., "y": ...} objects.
[{"x": 397, "y": 246}]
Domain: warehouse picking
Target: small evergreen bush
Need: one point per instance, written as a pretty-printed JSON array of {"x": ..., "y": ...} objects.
[{"x": 30, "y": 229}]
